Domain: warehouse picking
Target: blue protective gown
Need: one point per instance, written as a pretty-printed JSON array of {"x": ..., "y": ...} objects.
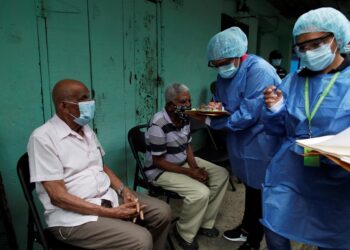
[
  {"x": 249, "y": 147},
  {"x": 308, "y": 204}
]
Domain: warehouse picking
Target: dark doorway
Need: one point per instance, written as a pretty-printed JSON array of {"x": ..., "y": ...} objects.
[{"x": 228, "y": 21}]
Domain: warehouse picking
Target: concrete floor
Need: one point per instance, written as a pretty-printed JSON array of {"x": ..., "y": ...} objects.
[{"x": 230, "y": 215}]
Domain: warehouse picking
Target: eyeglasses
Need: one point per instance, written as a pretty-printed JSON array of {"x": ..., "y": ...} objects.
[
  {"x": 225, "y": 62},
  {"x": 311, "y": 44}
]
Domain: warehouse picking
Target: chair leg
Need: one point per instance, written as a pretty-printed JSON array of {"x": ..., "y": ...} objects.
[
  {"x": 170, "y": 242},
  {"x": 136, "y": 179},
  {"x": 30, "y": 235},
  {"x": 175, "y": 220},
  {"x": 232, "y": 185}
]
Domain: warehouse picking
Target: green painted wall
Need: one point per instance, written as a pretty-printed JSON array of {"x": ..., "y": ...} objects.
[
  {"x": 126, "y": 51},
  {"x": 185, "y": 36},
  {"x": 20, "y": 97}
]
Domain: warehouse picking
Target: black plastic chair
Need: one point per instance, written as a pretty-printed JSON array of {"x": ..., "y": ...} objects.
[
  {"x": 36, "y": 231},
  {"x": 136, "y": 138},
  {"x": 137, "y": 142},
  {"x": 214, "y": 148},
  {"x": 7, "y": 233}
]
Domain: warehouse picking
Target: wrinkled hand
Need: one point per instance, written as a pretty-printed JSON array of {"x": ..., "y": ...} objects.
[
  {"x": 272, "y": 96},
  {"x": 205, "y": 174},
  {"x": 199, "y": 174},
  {"x": 126, "y": 211},
  {"x": 128, "y": 196}
]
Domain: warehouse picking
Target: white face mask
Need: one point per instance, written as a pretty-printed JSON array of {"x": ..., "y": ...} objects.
[
  {"x": 276, "y": 62},
  {"x": 227, "y": 71}
]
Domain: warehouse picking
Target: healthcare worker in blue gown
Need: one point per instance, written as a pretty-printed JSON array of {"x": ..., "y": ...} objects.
[
  {"x": 307, "y": 199},
  {"x": 241, "y": 80}
]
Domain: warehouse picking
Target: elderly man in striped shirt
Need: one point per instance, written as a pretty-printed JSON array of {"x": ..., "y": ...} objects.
[{"x": 170, "y": 164}]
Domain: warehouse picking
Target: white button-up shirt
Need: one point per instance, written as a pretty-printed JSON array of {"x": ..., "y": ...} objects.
[{"x": 56, "y": 152}]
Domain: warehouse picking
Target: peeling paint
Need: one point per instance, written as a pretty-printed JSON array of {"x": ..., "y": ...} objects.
[
  {"x": 147, "y": 83},
  {"x": 101, "y": 98},
  {"x": 148, "y": 21},
  {"x": 14, "y": 37}
]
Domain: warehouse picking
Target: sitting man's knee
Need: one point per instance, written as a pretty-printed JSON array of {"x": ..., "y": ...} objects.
[
  {"x": 165, "y": 212},
  {"x": 203, "y": 193},
  {"x": 142, "y": 240}
]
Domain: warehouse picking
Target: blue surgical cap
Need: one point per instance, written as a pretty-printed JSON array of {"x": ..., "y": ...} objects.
[
  {"x": 324, "y": 20},
  {"x": 229, "y": 43}
]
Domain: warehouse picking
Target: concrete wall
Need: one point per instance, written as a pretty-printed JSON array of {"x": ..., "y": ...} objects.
[{"x": 127, "y": 51}]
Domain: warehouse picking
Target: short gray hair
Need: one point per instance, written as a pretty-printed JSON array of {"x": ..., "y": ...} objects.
[{"x": 173, "y": 90}]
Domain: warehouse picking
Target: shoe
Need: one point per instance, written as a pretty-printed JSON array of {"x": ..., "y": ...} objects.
[
  {"x": 183, "y": 243},
  {"x": 247, "y": 246},
  {"x": 236, "y": 234},
  {"x": 212, "y": 233}
]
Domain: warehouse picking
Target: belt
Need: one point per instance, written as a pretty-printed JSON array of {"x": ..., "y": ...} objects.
[{"x": 106, "y": 203}]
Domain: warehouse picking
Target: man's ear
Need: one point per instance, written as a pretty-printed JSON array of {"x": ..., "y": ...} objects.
[
  {"x": 62, "y": 106},
  {"x": 169, "y": 106}
]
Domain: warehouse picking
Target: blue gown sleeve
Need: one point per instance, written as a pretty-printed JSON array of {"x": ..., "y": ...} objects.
[
  {"x": 248, "y": 112},
  {"x": 274, "y": 123}
]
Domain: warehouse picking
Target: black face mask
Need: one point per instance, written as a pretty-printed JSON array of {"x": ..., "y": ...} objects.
[{"x": 179, "y": 111}]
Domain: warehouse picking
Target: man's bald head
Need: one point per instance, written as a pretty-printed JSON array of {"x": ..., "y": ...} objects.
[{"x": 67, "y": 90}]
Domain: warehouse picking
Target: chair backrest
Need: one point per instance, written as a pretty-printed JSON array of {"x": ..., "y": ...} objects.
[
  {"x": 137, "y": 142},
  {"x": 35, "y": 227},
  {"x": 136, "y": 137},
  {"x": 36, "y": 230}
]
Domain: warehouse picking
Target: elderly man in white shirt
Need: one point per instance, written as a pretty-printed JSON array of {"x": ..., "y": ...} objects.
[{"x": 85, "y": 203}]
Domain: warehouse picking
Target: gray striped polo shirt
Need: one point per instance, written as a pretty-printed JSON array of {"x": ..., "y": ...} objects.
[{"x": 163, "y": 138}]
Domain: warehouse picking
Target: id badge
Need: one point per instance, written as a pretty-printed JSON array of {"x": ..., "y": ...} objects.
[{"x": 311, "y": 160}]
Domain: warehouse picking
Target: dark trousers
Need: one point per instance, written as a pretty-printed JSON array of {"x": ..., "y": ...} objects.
[{"x": 252, "y": 215}]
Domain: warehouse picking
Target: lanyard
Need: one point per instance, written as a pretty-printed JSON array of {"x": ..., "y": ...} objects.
[{"x": 319, "y": 101}]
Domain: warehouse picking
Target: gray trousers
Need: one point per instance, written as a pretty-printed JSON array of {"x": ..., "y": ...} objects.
[
  {"x": 201, "y": 201},
  {"x": 110, "y": 233}
]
